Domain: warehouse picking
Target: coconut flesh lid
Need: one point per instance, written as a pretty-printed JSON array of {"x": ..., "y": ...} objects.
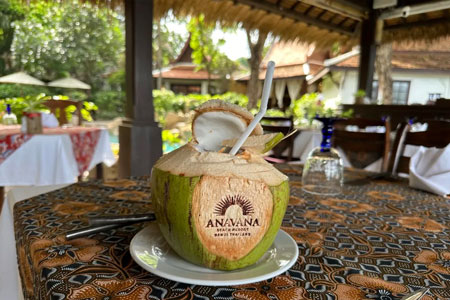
[
  {"x": 216, "y": 121},
  {"x": 188, "y": 161}
]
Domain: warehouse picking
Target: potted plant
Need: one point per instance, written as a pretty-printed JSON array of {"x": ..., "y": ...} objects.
[
  {"x": 359, "y": 96},
  {"x": 33, "y": 106}
]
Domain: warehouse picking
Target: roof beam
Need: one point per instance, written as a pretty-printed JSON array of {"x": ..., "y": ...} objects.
[
  {"x": 339, "y": 7},
  {"x": 414, "y": 24},
  {"x": 272, "y": 8},
  {"x": 415, "y": 9}
]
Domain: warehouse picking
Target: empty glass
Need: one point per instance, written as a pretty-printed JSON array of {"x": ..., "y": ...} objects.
[{"x": 323, "y": 172}]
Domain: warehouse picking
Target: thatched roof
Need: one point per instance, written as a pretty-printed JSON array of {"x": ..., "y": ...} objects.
[
  {"x": 299, "y": 21},
  {"x": 321, "y": 21}
]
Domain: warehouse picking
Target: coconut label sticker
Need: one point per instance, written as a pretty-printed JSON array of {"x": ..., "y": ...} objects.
[
  {"x": 231, "y": 214},
  {"x": 234, "y": 225}
]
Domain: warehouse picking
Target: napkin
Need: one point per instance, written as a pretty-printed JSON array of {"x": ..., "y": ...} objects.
[
  {"x": 416, "y": 127},
  {"x": 429, "y": 170},
  {"x": 355, "y": 128},
  {"x": 49, "y": 120}
]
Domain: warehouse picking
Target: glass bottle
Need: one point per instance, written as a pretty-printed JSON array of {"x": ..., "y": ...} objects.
[
  {"x": 323, "y": 172},
  {"x": 9, "y": 118}
]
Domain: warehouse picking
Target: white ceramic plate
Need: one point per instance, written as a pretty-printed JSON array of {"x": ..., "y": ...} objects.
[{"x": 150, "y": 250}]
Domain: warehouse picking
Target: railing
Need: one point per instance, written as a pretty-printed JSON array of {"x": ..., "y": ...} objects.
[{"x": 399, "y": 113}]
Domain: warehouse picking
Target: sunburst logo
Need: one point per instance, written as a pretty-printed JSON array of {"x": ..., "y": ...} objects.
[{"x": 226, "y": 202}]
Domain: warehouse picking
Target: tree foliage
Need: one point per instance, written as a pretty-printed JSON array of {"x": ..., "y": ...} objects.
[
  {"x": 256, "y": 40},
  {"x": 58, "y": 39},
  {"x": 10, "y": 11},
  {"x": 171, "y": 41},
  {"x": 206, "y": 54}
]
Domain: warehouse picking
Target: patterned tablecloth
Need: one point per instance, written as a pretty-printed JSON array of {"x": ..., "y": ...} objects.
[
  {"x": 377, "y": 240},
  {"x": 84, "y": 140}
]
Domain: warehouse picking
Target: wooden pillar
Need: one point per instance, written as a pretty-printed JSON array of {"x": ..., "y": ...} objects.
[
  {"x": 139, "y": 135},
  {"x": 368, "y": 49}
]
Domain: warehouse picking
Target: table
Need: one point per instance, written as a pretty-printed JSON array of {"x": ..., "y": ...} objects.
[
  {"x": 42, "y": 162},
  {"x": 378, "y": 240},
  {"x": 57, "y": 156}
]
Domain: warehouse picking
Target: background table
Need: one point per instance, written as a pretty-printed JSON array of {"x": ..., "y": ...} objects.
[
  {"x": 57, "y": 156},
  {"x": 379, "y": 240},
  {"x": 37, "y": 163}
]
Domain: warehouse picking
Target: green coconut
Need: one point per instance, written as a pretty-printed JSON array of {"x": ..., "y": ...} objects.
[{"x": 215, "y": 209}]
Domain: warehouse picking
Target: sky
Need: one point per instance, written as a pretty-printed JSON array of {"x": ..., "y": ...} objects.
[{"x": 235, "y": 46}]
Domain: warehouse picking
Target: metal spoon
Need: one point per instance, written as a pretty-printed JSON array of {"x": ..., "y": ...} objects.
[{"x": 105, "y": 223}]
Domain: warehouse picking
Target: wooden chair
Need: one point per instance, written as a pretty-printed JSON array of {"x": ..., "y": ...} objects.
[
  {"x": 363, "y": 148},
  {"x": 437, "y": 135},
  {"x": 285, "y": 126},
  {"x": 58, "y": 108},
  {"x": 436, "y": 124}
]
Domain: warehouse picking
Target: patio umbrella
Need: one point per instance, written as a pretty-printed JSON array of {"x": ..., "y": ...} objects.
[
  {"x": 21, "y": 78},
  {"x": 69, "y": 83}
]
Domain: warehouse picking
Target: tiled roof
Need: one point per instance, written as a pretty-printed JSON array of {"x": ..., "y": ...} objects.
[
  {"x": 414, "y": 56},
  {"x": 184, "y": 72},
  {"x": 288, "y": 53},
  {"x": 410, "y": 60},
  {"x": 290, "y": 71},
  {"x": 289, "y": 58}
]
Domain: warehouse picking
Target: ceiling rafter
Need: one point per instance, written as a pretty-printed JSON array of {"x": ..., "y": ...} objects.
[
  {"x": 415, "y": 24},
  {"x": 319, "y": 16},
  {"x": 272, "y": 8},
  {"x": 308, "y": 10},
  {"x": 341, "y": 7},
  {"x": 294, "y": 6}
]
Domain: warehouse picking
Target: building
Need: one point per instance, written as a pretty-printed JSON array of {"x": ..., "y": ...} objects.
[
  {"x": 420, "y": 73},
  {"x": 181, "y": 75},
  {"x": 295, "y": 63}
]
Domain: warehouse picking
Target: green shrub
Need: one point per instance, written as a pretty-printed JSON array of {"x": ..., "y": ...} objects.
[
  {"x": 20, "y": 90},
  {"x": 111, "y": 104},
  {"x": 32, "y": 103},
  {"x": 310, "y": 105},
  {"x": 166, "y": 101},
  {"x": 171, "y": 140}
]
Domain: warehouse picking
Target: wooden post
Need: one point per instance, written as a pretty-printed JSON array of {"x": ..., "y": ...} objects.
[
  {"x": 368, "y": 52},
  {"x": 139, "y": 135}
]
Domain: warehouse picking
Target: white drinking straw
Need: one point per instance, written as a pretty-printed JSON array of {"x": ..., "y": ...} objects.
[{"x": 262, "y": 108}]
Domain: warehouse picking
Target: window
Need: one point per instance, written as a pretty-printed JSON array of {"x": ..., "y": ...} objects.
[
  {"x": 374, "y": 91},
  {"x": 434, "y": 96},
  {"x": 185, "y": 88},
  {"x": 400, "y": 91}
]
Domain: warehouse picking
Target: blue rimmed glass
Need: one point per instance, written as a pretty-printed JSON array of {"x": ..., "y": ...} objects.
[{"x": 323, "y": 172}]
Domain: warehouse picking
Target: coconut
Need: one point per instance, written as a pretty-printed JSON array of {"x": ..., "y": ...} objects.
[
  {"x": 215, "y": 209},
  {"x": 217, "y": 120},
  {"x": 258, "y": 144}
]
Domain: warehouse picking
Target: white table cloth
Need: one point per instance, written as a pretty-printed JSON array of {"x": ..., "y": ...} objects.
[
  {"x": 48, "y": 159},
  {"x": 43, "y": 163},
  {"x": 305, "y": 142}
]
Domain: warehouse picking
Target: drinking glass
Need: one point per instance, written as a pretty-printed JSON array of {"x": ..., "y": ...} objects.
[{"x": 323, "y": 172}]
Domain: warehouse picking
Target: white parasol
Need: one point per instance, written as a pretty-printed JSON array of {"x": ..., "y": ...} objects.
[
  {"x": 21, "y": 78},
  {"x": 69, "y": 83}
]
